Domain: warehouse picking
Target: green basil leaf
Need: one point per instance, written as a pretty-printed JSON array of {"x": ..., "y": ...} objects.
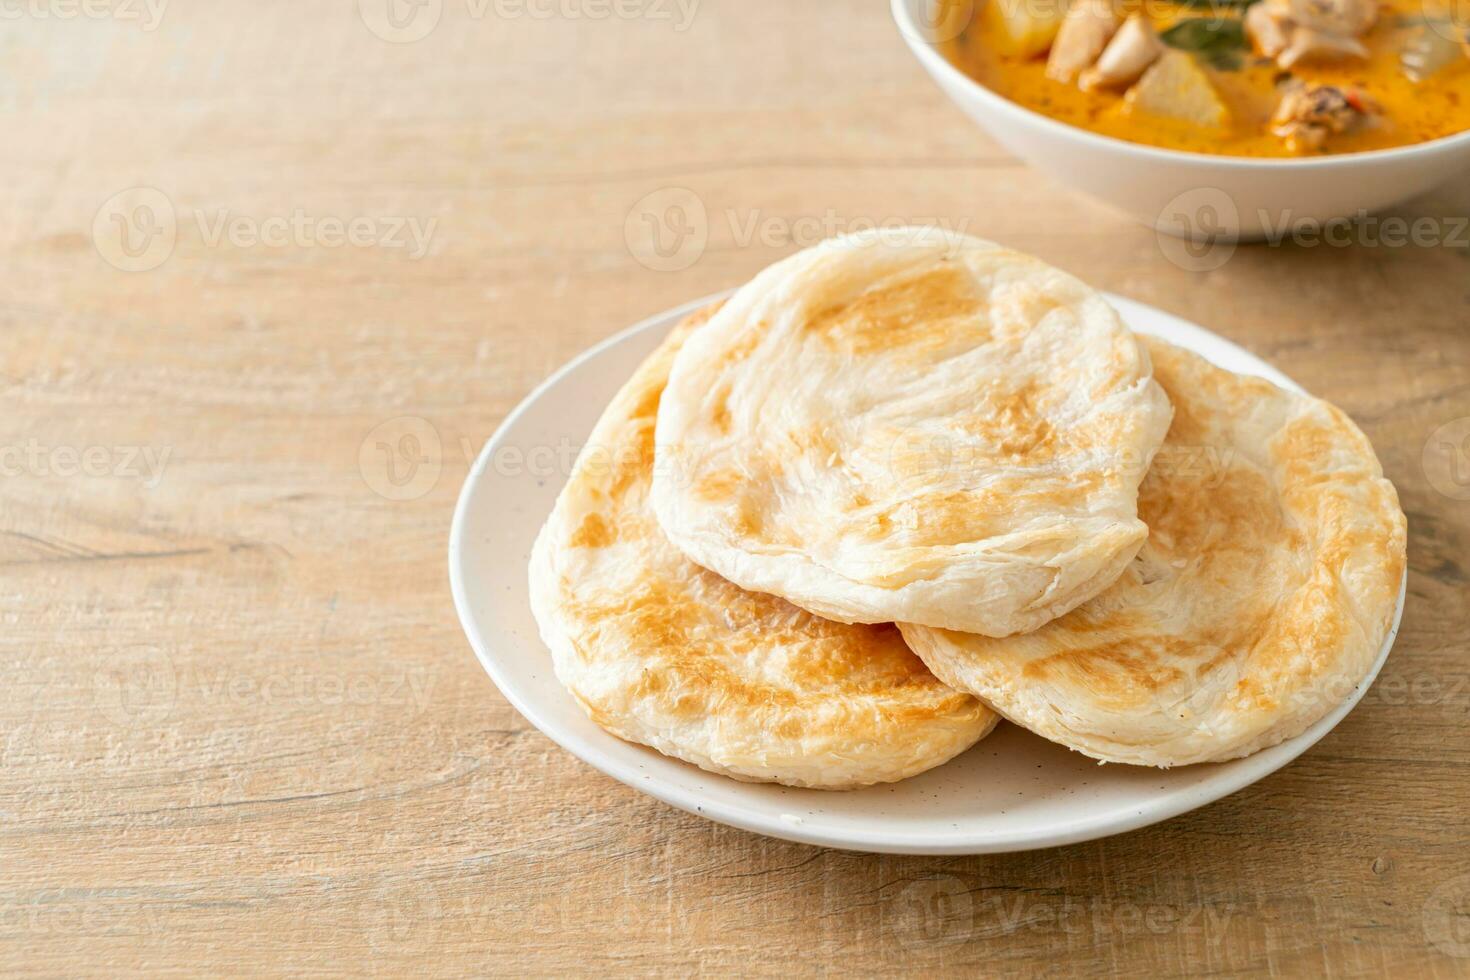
[
  {"x": 1216, "y": 4},
  {"x": 1219, "y": 41}
]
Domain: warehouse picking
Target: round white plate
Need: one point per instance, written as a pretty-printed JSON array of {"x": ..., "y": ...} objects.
[{"x": 1013, "y": 791}]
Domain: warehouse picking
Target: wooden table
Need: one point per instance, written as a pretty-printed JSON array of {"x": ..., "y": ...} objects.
[{"x": 242, "y": 730}]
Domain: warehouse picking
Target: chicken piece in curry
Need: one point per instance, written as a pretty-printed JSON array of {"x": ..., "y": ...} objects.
[{"x": 1257, "y": 78}]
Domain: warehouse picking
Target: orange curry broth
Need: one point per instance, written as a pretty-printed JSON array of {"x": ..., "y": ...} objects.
[{"x": 1412, "y": 112}]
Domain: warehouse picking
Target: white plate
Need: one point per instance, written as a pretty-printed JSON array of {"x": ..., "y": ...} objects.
[{"x": 1013, "y": 791}]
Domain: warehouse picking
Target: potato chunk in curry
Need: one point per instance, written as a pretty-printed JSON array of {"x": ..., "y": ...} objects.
[
  {"x": 1025, "y": 28},
  {"x": 1176, "y": 87}
]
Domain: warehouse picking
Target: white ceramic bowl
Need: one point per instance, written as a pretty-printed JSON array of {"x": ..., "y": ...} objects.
[{"x": 1192, "y": 195}]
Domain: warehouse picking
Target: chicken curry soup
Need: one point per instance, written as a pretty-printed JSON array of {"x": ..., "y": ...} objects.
[{"x": 1258, "y": 78}]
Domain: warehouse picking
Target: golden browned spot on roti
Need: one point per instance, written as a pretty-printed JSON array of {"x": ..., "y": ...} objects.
[
  {"x": 1122, "y": 671},
  {"x": 1209, "y": 513},
  {"x": 745, "y": 344},
  {"x": 647, "y": 404},
  {"x": 1305, "y": 629},
  {"x": 975, "y": 513},
  {"x": 723, "y": 487},
  {"x": 632, "y": 462},
  {"x": 1250, "y": 693},
  {"x": 1169, "y": 371},
  {"x": 815, "y": 441},
  {"x": 1306, "y": 447},
  {"x": 688, "y": 631},
  {"x": 943, "y": 516},
  {"x": 1013, "y": 422},
  {"x": 720, "y": 413},
  {"x": 747, "y": 521},
  {"x": 593, "y": 532},
  {"x": 719, "y": 486},
  {"x": 925, "y": 308}
]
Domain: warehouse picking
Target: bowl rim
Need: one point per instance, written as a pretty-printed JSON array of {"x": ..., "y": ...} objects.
[{"x": 938, "y": 65}]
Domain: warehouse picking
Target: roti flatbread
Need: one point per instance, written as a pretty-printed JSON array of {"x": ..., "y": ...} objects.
[
  {"x": 1260, "y": 602},
  {"x": 662, "y": 652},
  {"x": 911, "y": 426}
]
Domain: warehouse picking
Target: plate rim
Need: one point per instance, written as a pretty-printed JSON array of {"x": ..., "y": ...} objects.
[{"x": 1167, "y": 807}]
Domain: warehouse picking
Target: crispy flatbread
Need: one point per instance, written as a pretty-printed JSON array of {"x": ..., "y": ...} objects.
[
  {"x": 1260, "y": 602},
  {"x": 911, "y": 426},
  {"x": 662, "y": 652}
]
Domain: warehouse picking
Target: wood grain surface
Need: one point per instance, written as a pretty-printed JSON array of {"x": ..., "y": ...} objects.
[{"x": 242, "y": 731}]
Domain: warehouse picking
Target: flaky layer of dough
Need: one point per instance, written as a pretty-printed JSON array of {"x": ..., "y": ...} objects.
[
  {"x": 1260, "y": 602},
  {"x": 662, "y": 652},
  {"x": 914, "y": 427}
]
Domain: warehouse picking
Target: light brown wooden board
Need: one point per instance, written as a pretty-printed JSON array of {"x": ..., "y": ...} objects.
[{"x": 242, "y": 731}]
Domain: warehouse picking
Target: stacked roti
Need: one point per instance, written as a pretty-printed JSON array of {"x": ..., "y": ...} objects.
[
  {"x": 1259, "y": 602},
  {"x": 1100, "y": 537},
  {"x": 660, "y": 651}
]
